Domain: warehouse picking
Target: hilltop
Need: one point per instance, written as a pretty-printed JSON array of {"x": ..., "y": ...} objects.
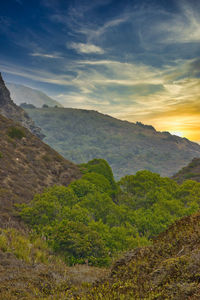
[
  {"x": 81, "y": 135},
  {"x": 23, "y": 94}
]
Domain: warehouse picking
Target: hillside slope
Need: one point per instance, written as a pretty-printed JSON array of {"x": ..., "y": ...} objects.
[
  {"x": 169, "y": 269},
  {"x": 191, "y": 171},
  {"x": 23, "y": 94},
  {"x": 82, "y": 135},
  {"x": 27, "y": 166}
]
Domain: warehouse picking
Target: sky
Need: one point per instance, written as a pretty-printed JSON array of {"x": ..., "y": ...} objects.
[{"x": 137, "y": 60}]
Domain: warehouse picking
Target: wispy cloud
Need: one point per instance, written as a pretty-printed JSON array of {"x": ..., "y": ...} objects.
[
  {"x": 95, "y": 32},
  {"x": 45, "y": 55},
  {"x": 180, "y": 27},
  {"x": 133, "y": 62},
  {"x": 86, "y": 48},
  {"x": 37, "y": 75}
]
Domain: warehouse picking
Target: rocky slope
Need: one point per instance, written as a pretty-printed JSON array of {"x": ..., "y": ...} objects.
[
  {"x": 10, "y": 110},
  {"x": 23, "y": 94},
  {"x": 191, "y": 171},
  {"x": 81, "y": 135},
  {"x": 27, "y": 166}
]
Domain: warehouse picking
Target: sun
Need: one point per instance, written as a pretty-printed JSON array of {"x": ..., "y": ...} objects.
[{"x": 178, "y": 133}]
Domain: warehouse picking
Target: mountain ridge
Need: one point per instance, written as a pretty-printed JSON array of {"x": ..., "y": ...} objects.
[{"x": 82, "y": 135}]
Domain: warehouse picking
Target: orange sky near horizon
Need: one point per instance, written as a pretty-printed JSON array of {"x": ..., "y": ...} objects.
[
  {"x": 176, "y": 110},
  {"x": 183, "y": 126},
  {"x": 176, "y": 122}
]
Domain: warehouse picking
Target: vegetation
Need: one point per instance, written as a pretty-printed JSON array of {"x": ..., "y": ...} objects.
[
  {"x": 29, "y": 249},
  {"x": 37, "y": 164},
  {"x": 16, "y": 133},
  {"x": 82, "y": 135},
  {"x": 168, "y": 269},
  {"x": 29, "y": 270},
  {"x": 94, "y": 219},
  {"x": 191, "y": 171}
]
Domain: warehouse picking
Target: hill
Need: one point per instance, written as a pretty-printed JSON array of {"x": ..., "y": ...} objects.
[
  {"x": 191, "y": 171},
  {"x": 81, "y": 135},
  {"x": 169, "y": 269},
  {"x": 23, "y": 94},
  {"x": 88, "y": 221},
  {"x": 10, "y": 110},
  {"x": 27, "y": 166}
]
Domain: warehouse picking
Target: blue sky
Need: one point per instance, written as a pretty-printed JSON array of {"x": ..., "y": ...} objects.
[{"x": 135, "y": 60}]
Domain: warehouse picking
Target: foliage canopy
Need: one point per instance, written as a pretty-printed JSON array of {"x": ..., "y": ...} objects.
[{"x": 95, "y": 218}]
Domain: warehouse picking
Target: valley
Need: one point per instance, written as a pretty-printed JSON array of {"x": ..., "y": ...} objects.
[{"x": 75, "y": 232}]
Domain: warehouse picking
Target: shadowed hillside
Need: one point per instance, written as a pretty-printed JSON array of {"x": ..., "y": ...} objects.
[
  {"x": 27, "y": 166},
  {"x": 81, "y": 135}
]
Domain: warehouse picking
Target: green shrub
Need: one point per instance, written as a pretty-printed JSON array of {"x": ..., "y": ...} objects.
[
  {"x": 190, "y": 175},
  {"x": 1, "y": 155},
  {"x": 29, "y": 249},
  {"x": 84, "y": 222},
  {"x": 16, "y": 133}
]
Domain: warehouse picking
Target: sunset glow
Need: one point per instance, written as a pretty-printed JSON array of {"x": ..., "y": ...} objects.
[
  {"x": 134, "y": 60},
  {"x": 178, "y": 133}
]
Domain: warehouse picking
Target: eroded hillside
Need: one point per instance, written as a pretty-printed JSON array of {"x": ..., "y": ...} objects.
[{"x": 27, "y": 166}]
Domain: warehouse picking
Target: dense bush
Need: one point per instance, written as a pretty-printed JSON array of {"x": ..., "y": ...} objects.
[{"x": 93, "y": 219}]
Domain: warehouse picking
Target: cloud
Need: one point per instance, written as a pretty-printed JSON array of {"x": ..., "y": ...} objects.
[
  {"x": 45, "y": 55},
  {"x": 115, "y": 72},
  {"x": 180, "y": 27},
  {"x": 37, "y": 75},
  {"x": 133, "y": 92},
  {"x": 86, "y": 48},
  {"x": 92, "y": 33}
]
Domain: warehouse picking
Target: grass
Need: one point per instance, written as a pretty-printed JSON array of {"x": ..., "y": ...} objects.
[
  {"x": 30, "y": 250},
  {"x": 16, "y": 133},
  {"x": 30, "y": 271}
]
